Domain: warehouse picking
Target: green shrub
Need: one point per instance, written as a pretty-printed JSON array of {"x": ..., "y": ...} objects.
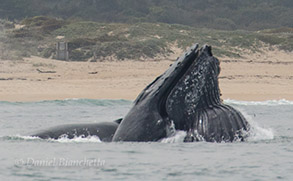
[
  {"x": 43, "y": 23},
  {"x": 48, "y": 52},
  {"x": 80, "y": 55},
  {"x": 270, "y": 39},
  {"x": 80, "y": 42}
]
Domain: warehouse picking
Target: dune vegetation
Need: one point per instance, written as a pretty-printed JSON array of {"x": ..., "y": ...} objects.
[{"x": 92, "y": 41}]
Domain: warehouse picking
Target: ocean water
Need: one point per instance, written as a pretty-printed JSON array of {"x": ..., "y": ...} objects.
[{"x": 267, "y": 155}]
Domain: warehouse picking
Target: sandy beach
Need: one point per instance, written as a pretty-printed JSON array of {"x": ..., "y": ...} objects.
[{"x": 257, "y": 77}]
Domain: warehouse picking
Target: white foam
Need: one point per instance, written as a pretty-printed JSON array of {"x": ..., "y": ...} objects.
[
  {"x": 24, "y": 137},
  {"x": 19, "y": 137},
  {"x": 64, "y": 139},
  {"x": 79, "y": 139},
  {"x": 178, "y": 137},
  {"x": 256, "y": 132},
  {"x": 264, "y": 103}
]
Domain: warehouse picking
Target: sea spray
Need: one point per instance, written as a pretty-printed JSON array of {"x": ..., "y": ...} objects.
[
  {"x": 78, "y": 139},
  {"x": 256, "y": 132},
  {"x": 178, "y": 137}
]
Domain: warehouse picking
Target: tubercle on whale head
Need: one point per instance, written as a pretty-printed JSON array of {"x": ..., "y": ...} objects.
[
  {"x": 198, "y": 85},
  {"x": 211, "y": 91}
]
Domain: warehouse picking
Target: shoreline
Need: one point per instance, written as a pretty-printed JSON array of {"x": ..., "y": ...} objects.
[
  {"x": 39, "y": 79},
  {"x": 248, "y": 99}
]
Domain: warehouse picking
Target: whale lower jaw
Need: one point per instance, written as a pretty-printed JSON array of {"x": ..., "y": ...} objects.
[{"x": 213, "y": 124}]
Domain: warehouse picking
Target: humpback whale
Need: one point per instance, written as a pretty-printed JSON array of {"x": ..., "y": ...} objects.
[{"x": 185, "y": 97}]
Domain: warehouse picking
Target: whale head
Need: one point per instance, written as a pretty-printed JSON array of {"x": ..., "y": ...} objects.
[{"x": 190, "y": 83}]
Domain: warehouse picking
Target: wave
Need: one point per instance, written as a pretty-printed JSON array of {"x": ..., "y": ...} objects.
[
  {"x": 79, "y": 139},
  {"x": 66, "y": 102},
  {"x": 19, "y": 138},
  {"x": 256, "y": 133},
  {"x": 261, "y": 103},
  {"x": 111, "y": 102}
]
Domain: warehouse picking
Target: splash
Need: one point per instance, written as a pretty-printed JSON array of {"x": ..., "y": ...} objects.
[
  {"x": 178, "y": 137},
  {"x": 79, "y": 139},
  {"x": 63, "y": 139},
  {"x": 19, "y": 137},
  {"x": 256, "y": 132}
]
